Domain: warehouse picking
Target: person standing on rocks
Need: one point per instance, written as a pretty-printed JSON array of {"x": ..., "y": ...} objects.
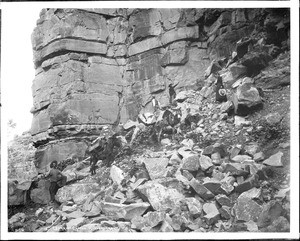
[
  {"x": 54, "y": 176},
  {"x": 220, "y": 90}
]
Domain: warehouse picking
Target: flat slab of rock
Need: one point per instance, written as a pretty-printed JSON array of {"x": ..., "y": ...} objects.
[
  {"x": 121, "y": 211},
  {"x": 73, "y": 224},
  {"x": 241, "y": 158},
  {"x": 274, "y": 160}
]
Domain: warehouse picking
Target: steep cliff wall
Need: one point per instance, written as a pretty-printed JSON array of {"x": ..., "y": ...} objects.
[{"x": 103, "y": 66}]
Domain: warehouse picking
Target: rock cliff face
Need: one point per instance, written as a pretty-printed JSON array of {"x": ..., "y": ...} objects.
[{"x": 103, "y": 66}]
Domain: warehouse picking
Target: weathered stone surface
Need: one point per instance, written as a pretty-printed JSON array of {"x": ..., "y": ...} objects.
[
  {"x": 246, "y": 209},
  {"x": 160, "y": 197},
  {"x": 223, "y": 200},
  {"x": 175, "y": 159},
  {"x": 205, "y": 162},
  {"x": 241, "y": 158},
  {"x": 251, "y": 148},
  {"x": 253, "y": 193},
  {"x": 246, "y": 185},
  {"x": 194, "y": 206},
  {"x": 122, "y": 211},
  {"x": 156, "y": 167},
  {"x": 73, "y": 174},
  {"x": 76, "y": 214},
  {"x": 259, "y": 156},
  {"x": 226, "y": 106},
  {"x": 215, "y": 186},
  {"x": 270, "y": 212},
  {"x": 40, "y": 195},
  {"x": 176, "y": 54},
  {"x": 76, "y": 192},
  {"x": 237, "y": 169},
  {"x": 16, "y": 221},
  {"x": 148, "y": 221},
  {"x": 201, "y": 190},
  {"x": 191, "y": 162},
  {"x": 241, "y": 121},
  {"x": 74, "y": 45},
  {"x": 166, "y": 227},
  {"x": 274, "y": 160},
  {"x": 255, "y": 61},
  {"x": 16, "y": 195},
  {"x": 276, "y": 74},
  {"x": 116, "y": 174},
  {"x": 91, "y": 227},
  {"x": 212, "y": 213},
  {"x": 58, "y": 151},
  {"x": 281, "y": 224},
  {"x": 225, "y": 212},
  {"x": 73, "y": 224},
  {"x": 247, "y": 95}
]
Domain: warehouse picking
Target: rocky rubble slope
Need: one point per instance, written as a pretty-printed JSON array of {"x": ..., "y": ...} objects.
[
  {"x": 103, "y": 66},
  {"x": 223, "y": 167}
]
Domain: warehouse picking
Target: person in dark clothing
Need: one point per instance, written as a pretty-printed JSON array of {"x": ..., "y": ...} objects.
[
  {"x": 54, "y": 176},
  {"x": 220, "y": 90},
  {"x": 172, "y": 93}
]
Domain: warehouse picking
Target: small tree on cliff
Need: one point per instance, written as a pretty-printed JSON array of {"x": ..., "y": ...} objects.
[{"x": 20, "y": 157}]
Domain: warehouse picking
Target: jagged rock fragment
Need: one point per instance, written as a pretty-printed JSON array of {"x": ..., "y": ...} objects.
[
  {"x": 246, "y": 209},
  {"x": 194, "y": 206},
  {"x": 201, "y": 190},
  {"x": 191, "y": 162},
  {"x": 122, "y": 211},
  {"x": 160, "y": 197},
  {"x": 274, "y": 160},
  {"x": 259, "y": 156},
  {"x": 223, "y": 200},
  {"x": 116, "y": 174},
  {"x": 205, "y": 162},
  {"x": 73, "y": 224},
  {"x": 270, "y": 212},
  {"x": 212, "y": 213},
  {"x": 156, "y": 167}
]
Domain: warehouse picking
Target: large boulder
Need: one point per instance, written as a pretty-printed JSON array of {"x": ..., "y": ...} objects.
[
  {"x": 77, "y": 192},
  {"x": 160, "y": 197},
  {"x": 246, "y": 97},
  {"x": 41, "y": 194}
]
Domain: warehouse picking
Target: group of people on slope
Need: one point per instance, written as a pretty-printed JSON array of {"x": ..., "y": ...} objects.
[{"x": 57, "y": 179}]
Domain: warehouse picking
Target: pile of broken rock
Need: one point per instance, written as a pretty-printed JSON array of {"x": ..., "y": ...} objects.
[{"x": 196, "y": 184}]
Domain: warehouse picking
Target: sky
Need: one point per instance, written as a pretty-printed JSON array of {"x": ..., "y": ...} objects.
[{"x": 17, "y": 65}]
